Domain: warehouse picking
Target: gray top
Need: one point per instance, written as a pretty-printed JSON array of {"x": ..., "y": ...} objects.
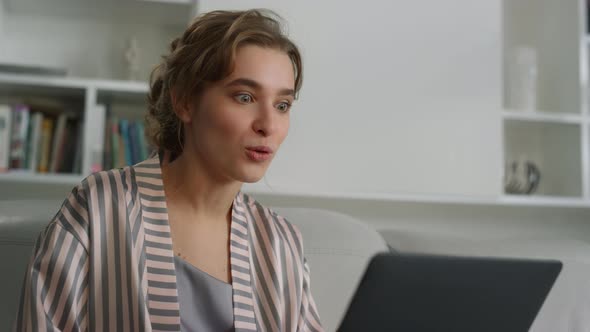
[{"x": 206, "y": 303}]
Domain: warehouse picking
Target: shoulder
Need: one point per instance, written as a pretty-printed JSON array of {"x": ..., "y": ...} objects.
[
  {"x": 279, "y": 228},
  {"x": 105, "y": 182},
  {"x": 93, "y": 196}
]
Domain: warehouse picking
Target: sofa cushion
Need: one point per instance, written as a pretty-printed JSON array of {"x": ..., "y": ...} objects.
[
  {"x": 20, "y": 224},
  {"x": 338, "y": 249}
]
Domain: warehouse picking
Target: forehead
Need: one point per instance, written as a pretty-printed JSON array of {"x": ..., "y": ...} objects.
[{"x": 270, "y": 68}]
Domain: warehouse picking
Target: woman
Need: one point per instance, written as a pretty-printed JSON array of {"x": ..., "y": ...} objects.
[{"x": 172, "y": 243}]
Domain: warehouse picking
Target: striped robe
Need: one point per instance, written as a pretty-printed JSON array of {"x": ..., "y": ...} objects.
[{"x": 105, "y": 263}]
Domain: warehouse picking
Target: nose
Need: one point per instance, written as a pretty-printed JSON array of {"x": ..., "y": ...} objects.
[{"x": 266, "y": 120}]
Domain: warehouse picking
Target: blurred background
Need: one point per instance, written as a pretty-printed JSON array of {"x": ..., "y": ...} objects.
[{"x": 462, "y": 117}]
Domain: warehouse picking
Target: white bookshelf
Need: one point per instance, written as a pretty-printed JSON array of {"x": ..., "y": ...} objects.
[
  {"x": 93, "y": 37},
  {"x": 555, "y": 136},
  {"x": 89, "y": 92}
]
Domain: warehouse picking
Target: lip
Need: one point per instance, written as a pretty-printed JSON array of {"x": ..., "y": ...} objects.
[
  {"x": 259, "y": 153},
  {"x": 260, "y": 148}
]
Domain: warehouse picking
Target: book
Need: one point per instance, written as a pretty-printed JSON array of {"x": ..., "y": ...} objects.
[
  {"x": 27, "y": 143},
  {"x": 18, "y": 141},
  {"x": 5, "y": 128},
  {"x": 46, "y": 139},
  {"x": 34, "y": 141},
  {"x": 114, "y": 124},
  {"x": 124, "y": 130},
  {"x": 58, "y": 140},
  {"x": 143, "y": 149},
  {"x": 107, "y": 159},
  {"x": 67, "y": 154},
  {"x": 133, "y": 143},
  {"x": 77, "y": 167},
  {"x": 95, "y": 139}
]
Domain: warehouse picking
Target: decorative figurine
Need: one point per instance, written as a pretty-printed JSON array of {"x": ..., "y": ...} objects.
[{"x": 132, "y": 59}]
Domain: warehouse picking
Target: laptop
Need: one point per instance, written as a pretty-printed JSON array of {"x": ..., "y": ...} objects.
[{"x": 423, "y": 293}]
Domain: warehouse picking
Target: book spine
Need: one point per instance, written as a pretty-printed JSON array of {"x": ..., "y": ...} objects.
[
  {"x": 18, "y": 145},
  {"x": 142, "y": 141},
  {"x": 5, "y": 128},
  {"x": 77, "y": 168},
  {"x": 46, "y": 138},
  {"x": 107, "y": 161},
  {"x": 96, "y": 116},
  {"x": 124, "y": 126},
  {"x": 69, "y": 154},
  {"x": 58, "y": 138},
  {"x": 65, "y": 150},
  {"x": 35, "y": 141},
  {"x": 134, "y": 143},
  {"x": 27, "y": 144},
  {"x": 115, "y": 137}
]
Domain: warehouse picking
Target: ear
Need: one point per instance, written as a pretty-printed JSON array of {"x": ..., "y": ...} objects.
[{"x": 180, "y": 107}]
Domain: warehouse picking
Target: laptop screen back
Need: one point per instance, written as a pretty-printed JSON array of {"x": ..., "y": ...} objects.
[{"x": 438, "y": 293}]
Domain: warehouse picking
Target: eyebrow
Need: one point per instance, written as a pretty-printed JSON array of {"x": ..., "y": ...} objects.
[{"x": 257, "y": 86}]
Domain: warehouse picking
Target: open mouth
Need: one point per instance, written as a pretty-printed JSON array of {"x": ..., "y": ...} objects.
[{"x": 258, "y": 154}]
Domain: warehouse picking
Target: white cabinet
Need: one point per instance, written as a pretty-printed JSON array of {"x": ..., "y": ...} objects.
[
  {"x": 553, "y": 135},
  {"x": 88, "y": 39},
  {"x": 78, "y": 95}
]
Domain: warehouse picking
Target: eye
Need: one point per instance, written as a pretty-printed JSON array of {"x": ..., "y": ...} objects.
[
  {"x": 243, "y": 98},
  {"x": 284, "y": 106}
]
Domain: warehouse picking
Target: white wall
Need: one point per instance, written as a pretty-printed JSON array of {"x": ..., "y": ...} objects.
[{"x": 398, "y": 96}]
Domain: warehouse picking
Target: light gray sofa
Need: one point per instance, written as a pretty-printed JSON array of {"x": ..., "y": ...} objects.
[{"x": 337, "y": 248}]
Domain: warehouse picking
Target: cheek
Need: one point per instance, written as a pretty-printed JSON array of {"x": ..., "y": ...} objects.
[
  {"x": 225, "y": 124},
  {"x": 284, "y": 130},
  {"x": 281, "y": 132}
]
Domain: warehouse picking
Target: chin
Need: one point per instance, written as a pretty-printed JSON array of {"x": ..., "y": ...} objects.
[
  {"x": 251, "y": 178},
  {"x": 252, "y": 175}
]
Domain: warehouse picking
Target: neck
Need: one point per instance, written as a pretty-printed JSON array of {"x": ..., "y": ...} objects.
[{"x": 190, "y": 186}]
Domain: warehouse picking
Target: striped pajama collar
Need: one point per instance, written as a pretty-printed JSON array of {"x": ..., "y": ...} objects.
[{"x": 162, "y": 290}]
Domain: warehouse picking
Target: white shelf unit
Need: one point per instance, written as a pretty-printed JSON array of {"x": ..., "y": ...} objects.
[
  {"x": 556, "y": 136},
  {"x": 87, "y": 93},
  {"x": 88, "y": 39}
]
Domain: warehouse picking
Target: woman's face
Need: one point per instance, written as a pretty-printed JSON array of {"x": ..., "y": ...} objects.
[{"x": 238, "y": 124}]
